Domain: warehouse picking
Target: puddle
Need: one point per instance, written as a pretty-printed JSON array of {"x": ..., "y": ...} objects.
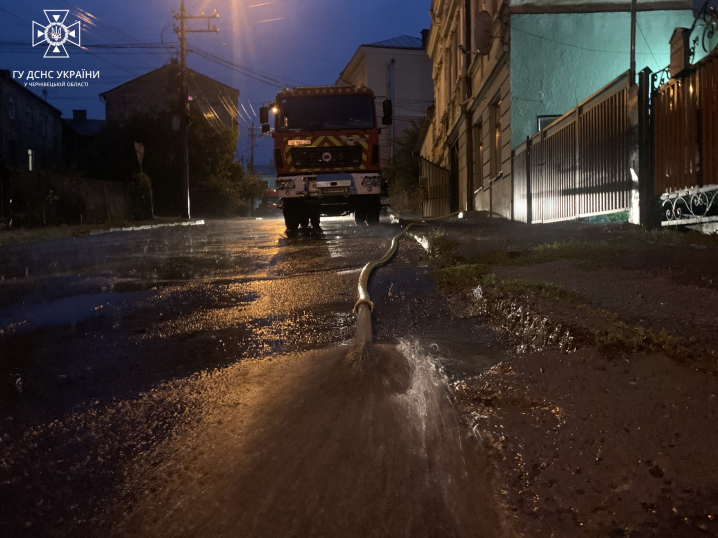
[{"x": 29, "y": 317}]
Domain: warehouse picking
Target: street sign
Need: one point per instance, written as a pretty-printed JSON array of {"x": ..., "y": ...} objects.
[{"x": 140, "y": 150}]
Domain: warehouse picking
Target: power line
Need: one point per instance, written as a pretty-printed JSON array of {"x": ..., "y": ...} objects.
[
  {"x": 233, "y": 67},
  {"x": 265, "y": 78},
  {"x": 649, "y": 47},
  {"x": 571, "y": 44}
]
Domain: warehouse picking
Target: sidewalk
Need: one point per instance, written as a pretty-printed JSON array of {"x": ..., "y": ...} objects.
[{"x": 604, "y": 421}]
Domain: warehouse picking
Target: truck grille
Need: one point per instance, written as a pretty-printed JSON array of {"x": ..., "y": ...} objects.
[{"x": 332, "y": 157}]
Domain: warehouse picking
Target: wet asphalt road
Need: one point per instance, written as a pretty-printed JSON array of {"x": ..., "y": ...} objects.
[{"x": 118, "y": 350}]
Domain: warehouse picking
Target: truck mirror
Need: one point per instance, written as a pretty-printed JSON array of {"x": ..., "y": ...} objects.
[
  {"x": 265, "y": 128},
  {"x": 264, "y": 114},
  {"x": 388, "y": 113}
]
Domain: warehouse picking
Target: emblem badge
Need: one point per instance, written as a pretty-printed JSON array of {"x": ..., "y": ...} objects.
[{"x": 56, "y": 33}]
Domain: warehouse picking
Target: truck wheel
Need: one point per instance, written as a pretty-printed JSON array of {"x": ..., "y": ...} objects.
[
  {"x": 372, "y": 216},
  {"x": 315, "y": 220},
  {"x": 291, "y": 215},
  {"x": 373, "y": 209}
]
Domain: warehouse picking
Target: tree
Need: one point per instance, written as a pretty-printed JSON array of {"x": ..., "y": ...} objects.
[
  {"x": 404, "y": 170},
  {"x": 216, "y": 180}
]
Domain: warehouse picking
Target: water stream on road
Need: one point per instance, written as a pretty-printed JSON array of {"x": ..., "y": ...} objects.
[{"x": 358, "y": 441}]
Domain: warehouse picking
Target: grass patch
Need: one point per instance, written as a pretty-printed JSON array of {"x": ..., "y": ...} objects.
[
  {"x": 622, "y": 337},
  {"x": 463, "y": 277},
  {"x": 595, "y": 253},
  {"x": 539, "y": 289},
  {"x": 467, "y": 277},
  {"x": 441, "y": 250},
  {"x": 489, "y": 291}
]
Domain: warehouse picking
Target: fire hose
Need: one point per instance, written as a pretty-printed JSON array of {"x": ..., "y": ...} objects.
[{"x": 364, "y": 306}]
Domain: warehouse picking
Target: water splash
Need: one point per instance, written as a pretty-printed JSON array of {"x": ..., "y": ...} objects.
[
  {"x": 428, "y": 395},
  {"x": 359, "y": 440}
]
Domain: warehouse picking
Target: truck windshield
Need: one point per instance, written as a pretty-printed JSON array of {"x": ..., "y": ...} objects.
[{"x": 328, "y": 112}]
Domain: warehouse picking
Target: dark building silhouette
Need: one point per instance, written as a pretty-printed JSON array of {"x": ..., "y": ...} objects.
[{"x": 158, "y": 91}]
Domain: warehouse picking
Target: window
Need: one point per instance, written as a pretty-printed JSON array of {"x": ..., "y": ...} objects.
[
  {"x": 11, "y": 107},
  {"x": 28, "y": 116},
  {"x": 495, "y": 140},
  {"x": 30, "y": 160},
  {"x": 478, "y": 157},
  {"x": 544, "y": 121},
  {"x": 329, "y": 112}
]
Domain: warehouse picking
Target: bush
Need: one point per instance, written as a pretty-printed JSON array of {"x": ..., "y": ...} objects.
[
  {"x": 141, "y": 197},
  {"x": 215, "y": 178},
  {"x": 43, "y": 198},
  {"x": 403, "y": 171}
]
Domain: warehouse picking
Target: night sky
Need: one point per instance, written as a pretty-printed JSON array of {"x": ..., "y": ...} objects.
[{"x": 310, "y": 43}]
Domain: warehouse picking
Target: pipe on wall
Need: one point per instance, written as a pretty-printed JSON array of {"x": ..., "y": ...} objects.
[
  {"x": 391, "y": 96},
  {"x": 469, "y": 127}
]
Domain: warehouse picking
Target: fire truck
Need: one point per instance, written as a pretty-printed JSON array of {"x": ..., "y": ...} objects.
[{"x": 326, "y": 151}]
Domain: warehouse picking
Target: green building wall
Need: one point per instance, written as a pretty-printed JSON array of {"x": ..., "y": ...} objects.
[{"x": 560, "y": 59}]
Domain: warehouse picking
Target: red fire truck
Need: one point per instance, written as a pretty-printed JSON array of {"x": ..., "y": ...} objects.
[{"x": 326, "y": 151}]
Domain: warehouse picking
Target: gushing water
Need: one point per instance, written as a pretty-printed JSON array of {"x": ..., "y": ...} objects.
[{"x": 363, "y": 441}]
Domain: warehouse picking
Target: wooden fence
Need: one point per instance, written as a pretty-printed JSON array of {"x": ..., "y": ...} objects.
[{"x": 685, "y": 111}]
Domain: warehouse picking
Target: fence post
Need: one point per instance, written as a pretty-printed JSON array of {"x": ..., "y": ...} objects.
[
  {"x": 529, "y": 199},
  {"x": 649, "y": 215},
  {"x": 634, "y": 153},
  {"x": 577, "y": 164}
]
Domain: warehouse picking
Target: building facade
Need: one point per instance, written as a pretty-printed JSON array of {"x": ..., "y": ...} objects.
[
  {"x": 30, "y": 128},
  {"x": 158, "y": 91},
  {"x": 503, "y": 70},
  {"x": 397, "y": 69}
]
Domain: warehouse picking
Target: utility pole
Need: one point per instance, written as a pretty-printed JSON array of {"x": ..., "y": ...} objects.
[
  {"x": 633, "y": 41},
  {"x": 253, "y": 132},
  {"x": 182, "y": 32},
  {"x": 251, "y": 152}
]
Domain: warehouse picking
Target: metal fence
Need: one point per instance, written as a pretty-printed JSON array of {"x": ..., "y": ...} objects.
[
  {"x": 436, "y": 189},
  {"x": 579, "y": 165},
  {"x": 522, "y": 184}
]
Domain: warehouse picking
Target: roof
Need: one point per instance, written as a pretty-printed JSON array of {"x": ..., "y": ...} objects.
[
  {"x": 5, "y": 75},
  {"x": 401, "y": 42},
  {"x": 167, "y": 67},
  {"x": 84, "y": 127}
]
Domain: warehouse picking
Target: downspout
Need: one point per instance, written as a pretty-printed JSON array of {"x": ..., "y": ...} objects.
[
  {"x": 465, "y": 111},
  {"x": 391, "y": 96}
]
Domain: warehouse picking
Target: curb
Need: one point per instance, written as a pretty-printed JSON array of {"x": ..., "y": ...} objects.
[{"x": 198, "y": 222}]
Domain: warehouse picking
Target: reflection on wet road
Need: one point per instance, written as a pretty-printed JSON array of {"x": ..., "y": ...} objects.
[{"x": 196, "y": 381}]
